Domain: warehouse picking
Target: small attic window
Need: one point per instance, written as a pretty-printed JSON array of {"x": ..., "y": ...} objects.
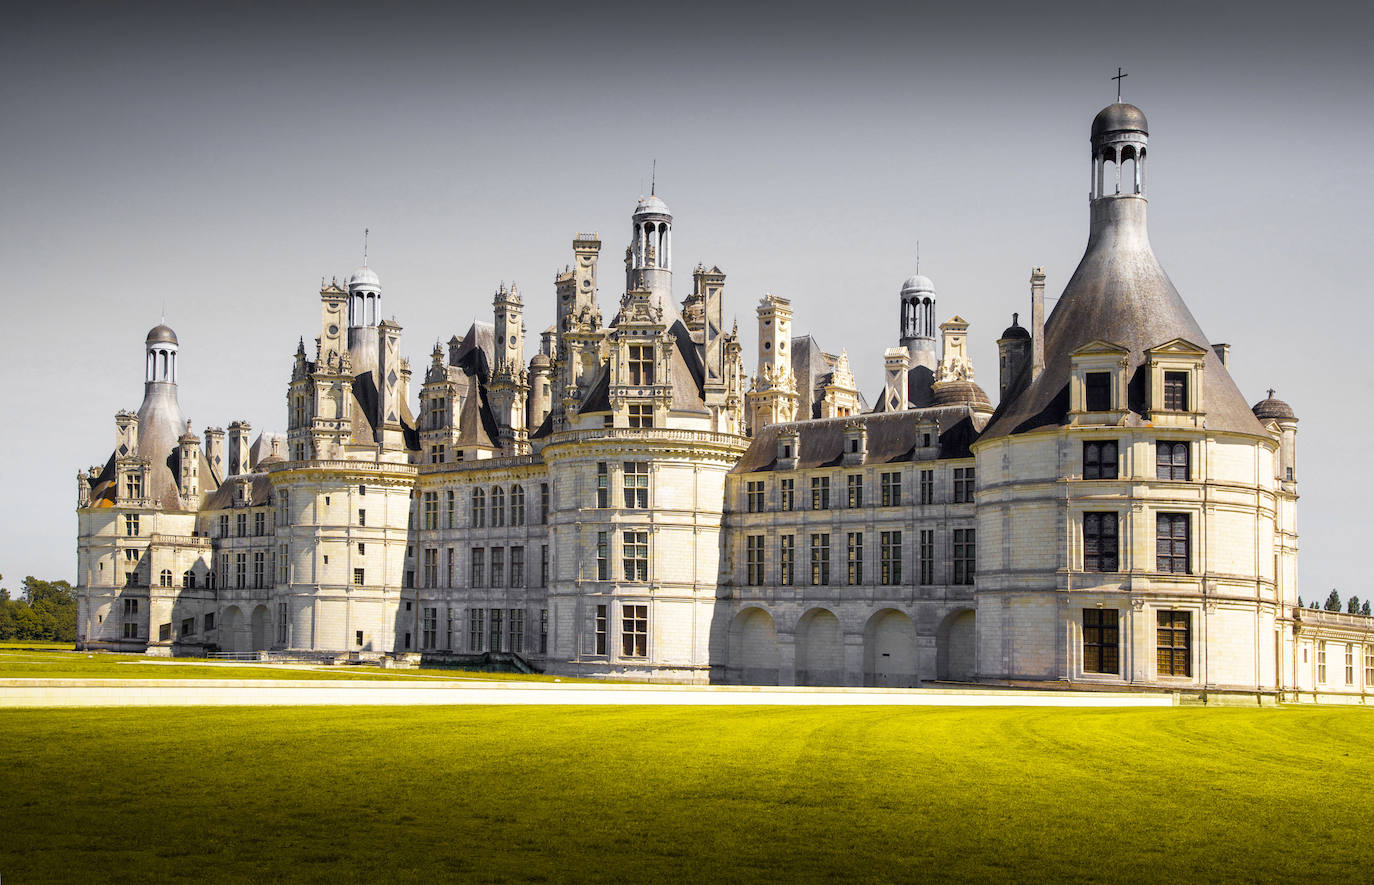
[
  {"x": 1176, "y": 391},
  {"x": 1097, "y": 389},
  {"x": 854, "y": 446},
  {"x": 787, "y": 451}
]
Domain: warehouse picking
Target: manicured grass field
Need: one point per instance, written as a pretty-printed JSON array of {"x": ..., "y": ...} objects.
[
  {"x": 60, "y": 662},
  {"x": 658, "y": 794}
]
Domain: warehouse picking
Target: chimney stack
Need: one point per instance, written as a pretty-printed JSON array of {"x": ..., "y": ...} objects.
[{"x": 1037, "y": 282}]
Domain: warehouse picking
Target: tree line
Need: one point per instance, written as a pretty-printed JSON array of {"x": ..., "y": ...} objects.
[
  {"x": 1353, "y": 606},
  {"x": 45, "y": 611}
]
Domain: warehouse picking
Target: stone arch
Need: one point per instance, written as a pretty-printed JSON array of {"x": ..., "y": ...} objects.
[
  {"x": 820, "y": 648},
  {"x": 956, "y": 646},
  {"x": 262, "y": 628},
  {"x": 233, "y": 631},
  {"x": 890, "y": 650},
  {"x": 754, "y": 657}
]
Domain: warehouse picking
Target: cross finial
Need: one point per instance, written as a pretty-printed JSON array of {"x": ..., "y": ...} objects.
[
  {"x": 1271, "y": 393},
  {"x": 1120, "y": 75},
  {"x": 365, "y": 233}
]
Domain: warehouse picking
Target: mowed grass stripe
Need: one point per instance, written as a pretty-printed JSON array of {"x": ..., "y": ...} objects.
[{"x": 686, "y": 794}]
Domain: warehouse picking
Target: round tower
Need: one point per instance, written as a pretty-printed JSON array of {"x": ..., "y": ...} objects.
[
  {"x": 160, "y": 422},
  {"x": 648, "y": 262},
  {"x": 918, "y": 321},
  {"x": 364, "y": 312}
]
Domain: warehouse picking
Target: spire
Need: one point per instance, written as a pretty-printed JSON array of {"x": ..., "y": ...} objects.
[
  {"x": 653, "y": 178},
  {"x": 365, "y": 233}
]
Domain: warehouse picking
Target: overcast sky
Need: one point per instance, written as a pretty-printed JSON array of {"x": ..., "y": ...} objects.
[{"x": 218, "y": 161}]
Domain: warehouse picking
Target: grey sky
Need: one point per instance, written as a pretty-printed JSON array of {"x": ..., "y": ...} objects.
[{"x": 220, "y": 161}]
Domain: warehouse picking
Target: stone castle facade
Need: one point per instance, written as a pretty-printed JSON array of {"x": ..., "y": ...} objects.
[{"x": 630, "y": 502}]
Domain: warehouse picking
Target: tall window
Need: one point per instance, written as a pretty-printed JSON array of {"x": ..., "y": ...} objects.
[
  {"x": 164, "y": 579},
  {"x": 636, "y": 555},
  {"x": 479, "y": 508},
  {"x": 359, "y": 577},
  {"x": 517, "y": 630},
  {"x": 641, "y": 364},
  {"x": 1173, "y": 655},
  {"x": 1349, "y": 664},
  {"x": 438, "y": 408},
  {"x": 600, "y": 629},
  {"x": 495, "y": 618},
  {"x": 927, "y": 556},
  {"x": 431, "y": 567},
  {"x": 449, "y": 618},
  {"x": 1100, "y": 542},
  {"x": 448, "y": 567},
  {"x": 641, "y": 415},
  {"x": 543, "y": 565},
  {"x": 854, "y": 560},
  {"x": 1176, "y": 391},
  {"x": 965, "y": 554},
  {"x": 362, "y": 515},
  {"x": 1097, "y": 387},
  {"x": 634, "y": 631},
  {"x": 820, "y": 559},
  {"x": 963, "y": 485},
  {"x": 1321, "y": 662},
  {"x": 188, "y": 579},
  {"x": 890, "y": 557},
  {"x": 131, "y": 619},
  {"x": 476, "y": 628},
  {"x": 753, "y": 496},
  {"x": 787, "y": 489},
  {"x": 753, "y": 560},
  {"x": 927, "y": 486},
  {"x": 498, "y": 506},
  {"x": 891, "y": 485},
  {"x": 429, "y": 628},
  {"x": 131, "y": 525},
  {"x": 448, "y": 503},
  {"x": 603, "y": 556},
  {"x": 543, "y": 631},
  {"x": 283, "y": 624},
  {"x": 636, "y": 482},
  {"x": 241, "y": 525},
  {"x": 259, "y": 524},
  {"x": 543, "y": 503},
  {"x": 787, "y": 560},
  {"x": 498, "y": 566},
  {"x": 820, "y": 493},
  {"x": 603, "y": 485},
  {"x": 431, "y": 511},
  {"x": 1101, "y": 641},
  {"x": 1369, "y": 666},
  {"x": 259, "y": 570},
  {"x": 517, "y": 566},
  {"x": 479, "y": 566},
  {"x": 855, "y": 490},
  {"x": 133, "y": 485},
  {"x": 1172, "y": 539},
  {"x": 284, "y": 507},
  {"x": 1099, "y": 459},
  {"x": 224, "y": 525},
  {"x": 517, "y": 505},
  {"x": 240, "y": 570},
  {"x": 1171, "y": 460}
]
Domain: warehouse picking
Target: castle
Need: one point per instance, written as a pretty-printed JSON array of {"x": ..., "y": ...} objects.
[{"x": 630, "y": 502}]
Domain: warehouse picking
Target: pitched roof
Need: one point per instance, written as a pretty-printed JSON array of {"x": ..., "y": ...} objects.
[{"x": 893, "y": 437}]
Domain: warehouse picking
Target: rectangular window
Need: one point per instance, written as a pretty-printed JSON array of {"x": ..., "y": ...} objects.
[
  {"x": 241, "y": 525},
  {"x": 1350, "y": 665},
  {"x": 754, "y": 560},
  {"x": 362, "y": 517},
  {"x": 891, "y": 485},
  {"x": 636, "y": 484},
  {"x": 431, "y": 567},
  {"x": 1176, "y": 391},
  {"x": 209, "y": 621},
  {"x": 787, "y": 560},
  {"x": 1097, "y": 390},
  {"x": 603, "y": 556},
  {"x": 133, "y": 485},
  {"x": 641, "y": 415},
  {"x": 543, "y": 565},
  {"x": 855, "y": 490},
  {"x": 1171, "y": 460},
  {"x": 634, "y": 631},
  {"x": 240, "y": 570},
  {"x": 788, "y": 493},
  {"x": 927, "y": 486},
  {"x": 224, "y": 525},
  {"x": 1321, "y": 662},
  {"x": 283, "y": 565},
  {"x": 1173, "y": 655},
  {"x": 498, "y": 507},
  {"x": 601, "y": 629},
  {"x": 1101, "y": 641},
  {"x": 854, "y": 560},
  {"x": 448, "y": 567},
  {"x": 517, "y": 566},
  {"x": 636, "y": 555},
  {"x": 603, "y": 485},
  {"x": 543, "y": 503},
  {"x": 496, "y": 620},
  {"x": 429, "y": 628},
  {"x": 358, "y": 638},
  {"x": 927, "y": 556},
  {"x": 259, "y": 524},
  {"x": 543, "y": 631},
  {"x": 259, "y": 570},
  {"x": 517, "y": 630},
  {"x": 517, "y": 505},
  {"x": 1369, "y": 667},
  {"x": 498, "y": 566},
  {"x": 358, "y": 576},
  {"x": 131, "y": 525},
  {"x": 890, "y": 554},
  {"x": 431, "y": 511},
  {"x": 438, "y": 408},
  {"x": 753, "y": 496},
  {"x": 641, "y": 364},
  {"x": 1099, "y": 460},
  {"x": 963, "y": 485},
  {"x": 476, "y": 628},
  {"x": 1100, "y": 542},
  {"x": 820, "y": 493},
  {"x": 1172, "y": 542},
  {"x": 479, "y": 567},
  {"x": 965, "y": 555},
  {"x": 448, "y": 629},
  {"x": 820, "y": 559},
  {"x": 436, "y": 454},
  {"x": 479, "y": 508}
]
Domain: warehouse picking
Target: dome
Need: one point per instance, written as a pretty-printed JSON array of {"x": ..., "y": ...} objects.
[
  {"x": 918, "y": 283},
  {"x": 1015, "y": 330},
  {"x": 1273, "y": 408},
  {"x": 364, "y": 277},
  {"x": 957, "y": 393},
  {"x": 541, "y": 361},
  {"x": 1120, "y": 117},
  {"x": 161, "y": 334},
  {"x": 651, "y": 205}
]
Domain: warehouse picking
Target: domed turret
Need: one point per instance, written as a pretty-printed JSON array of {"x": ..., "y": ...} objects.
[
  {"x": 649, "y": 260},
  {"x": 161, "y": 334},
  {"x": 1271, "y": 408},
  {"x": 1120, "y": 117},
  {"x": 364, "y": 278},
  {"x": 918, "y": 320}
]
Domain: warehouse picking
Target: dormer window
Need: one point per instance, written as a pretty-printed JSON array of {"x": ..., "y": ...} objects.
[
  {"x": 788, "y": 449},
  {"x": 1097, "y": 383},
  {"x": 1175, "y": 383},
  {"x": 1097, "y": 390},
  {"x": 641, "y": 364},
  {"x": 1176, "y": 391}
]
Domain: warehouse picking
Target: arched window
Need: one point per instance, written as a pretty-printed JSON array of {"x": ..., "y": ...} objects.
[
  {"x": 189, "y": 580},
  {"x": 165, "y": 579},
  {"x": 498, "y": 506},
  {"x": 517, "y": 505},
  {"x": 479, "y": 508}
]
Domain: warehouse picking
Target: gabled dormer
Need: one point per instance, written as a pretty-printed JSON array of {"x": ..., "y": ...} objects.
[
  {"x": 1097, "y": 383},
  {"x": 1173, "y": 383},
  {"x": 855, "y": 442}
]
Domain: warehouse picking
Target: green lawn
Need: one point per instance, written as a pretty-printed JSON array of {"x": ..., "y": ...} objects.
[
  {"x": 660, "y": 794},
  {"x": 60, "y": 662}
]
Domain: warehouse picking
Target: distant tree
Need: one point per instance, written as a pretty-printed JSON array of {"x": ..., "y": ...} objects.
[
  {"x": 1352, "y": 605},
  {"x": 1364, "y": 610},
  {"x": 1300, "y": 602},
  {"x": 1333, "y": 602},
  {"x": 47, "y": 611}
]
